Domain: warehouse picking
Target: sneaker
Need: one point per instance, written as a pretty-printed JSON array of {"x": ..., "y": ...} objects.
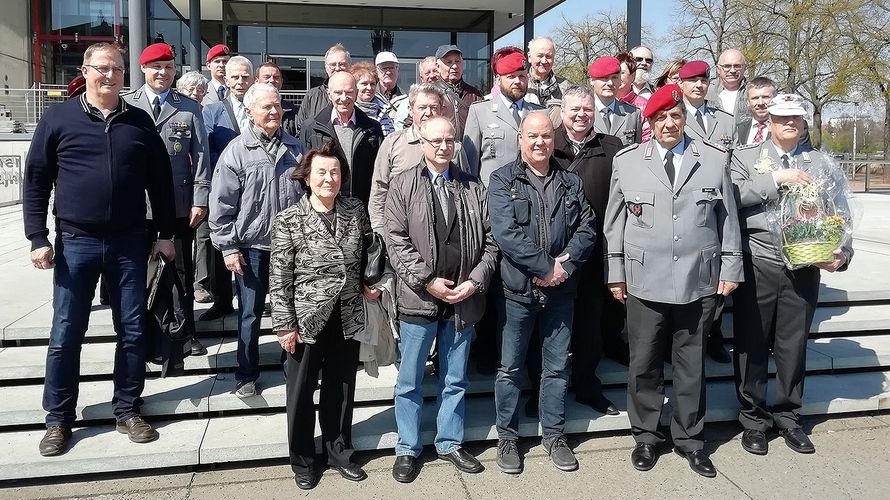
[
  {"x": 203, "y": 296},
  {"x": 560, "y": 454},
  {"x": 508, "y": 459},
  {"x": 245, "y": 389}
]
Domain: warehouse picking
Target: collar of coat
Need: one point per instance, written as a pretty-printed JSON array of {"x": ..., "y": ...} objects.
[
  {"x": 252, "y": 141},
  {"x": 362, "y": 120},
  {"x": 592, "y": 146}
]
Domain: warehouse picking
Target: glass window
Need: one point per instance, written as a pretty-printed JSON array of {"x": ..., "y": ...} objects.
[
  {"x": 474, "y": 45},
  {"x": 166, "y": 31},
  {"x": 316, "y": 41},
  {"x": 251, "y": 38},
  {"x": 478, "y": 74},
  {"x": 84, "y": 17},
  {"x": 418, "y": 44},
  {"x": 158, "y": 9}
]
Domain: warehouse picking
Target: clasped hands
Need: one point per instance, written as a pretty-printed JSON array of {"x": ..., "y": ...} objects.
[
  {"x": 556, "y": 276},
  {"x": 445, "y": 290}
]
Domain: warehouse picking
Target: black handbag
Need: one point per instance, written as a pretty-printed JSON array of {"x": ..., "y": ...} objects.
[{"x": 374, "y": 258}]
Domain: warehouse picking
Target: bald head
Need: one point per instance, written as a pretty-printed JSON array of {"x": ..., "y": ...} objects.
[
  {"x": 536, "y": 140},
  {"x": 731, "y": 66},
  {"x": 342, "y": 92}
]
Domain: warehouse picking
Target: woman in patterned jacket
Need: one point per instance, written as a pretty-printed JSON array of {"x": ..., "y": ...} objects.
[{"x": 317, "y": 308}]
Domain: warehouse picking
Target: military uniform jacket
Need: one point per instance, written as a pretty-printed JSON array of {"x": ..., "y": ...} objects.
[
  {"x": 721, "y": 127},
  {"x": 758, "y": 188},
  {"x": 491, "y": 136},
  {"x": 627, "y": 123},
  {"x": 181, "y": 127},
  {"x": 672, "y": 244}
]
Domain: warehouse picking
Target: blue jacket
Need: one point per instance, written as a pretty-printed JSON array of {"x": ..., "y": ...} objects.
[
  {"x": 221, "y": 127},
  {"x": 516, "y": 222}
]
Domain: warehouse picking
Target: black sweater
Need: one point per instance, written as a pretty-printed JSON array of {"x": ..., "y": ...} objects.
[{"x": 100, "y": 169}]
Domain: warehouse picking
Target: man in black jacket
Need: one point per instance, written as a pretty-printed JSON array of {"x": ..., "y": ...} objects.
[
  {"x": 598, "y": 317},
  {"x": 100, "y": 146},
  {"x": 357, "y": 136},
  {"x": 336, "y": 59}
]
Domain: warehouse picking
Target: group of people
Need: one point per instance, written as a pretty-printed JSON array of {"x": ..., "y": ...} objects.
[{"x": 540, "y": 226}]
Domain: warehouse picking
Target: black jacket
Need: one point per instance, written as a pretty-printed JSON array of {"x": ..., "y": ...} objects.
[{"x": 360, "y": 160}]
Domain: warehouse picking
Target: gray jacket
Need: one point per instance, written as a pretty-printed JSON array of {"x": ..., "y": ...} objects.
[
  {"x": 672, "y": 244},
  {"x": 721, "y": 127},
  {"x": 248, "y": 190},
  {"x": 627, "y": 123},
  {"x": 411, "y": 242},
  {"x": 491, "y": 136},
  {"x": 741, "y": 112},
  {"x": 181, "y": 127}
]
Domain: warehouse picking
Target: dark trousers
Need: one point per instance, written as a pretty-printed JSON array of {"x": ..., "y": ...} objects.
[
  {"x": 553, "y": 322},
  {"x": 587, "y": 343},
  {"x": 252, "y": 288},
  {"x": 772, "y": 301},
  {"x": 203, "y": 257},
  {"x": 336, "y": 359},
  {"x": 79, "y": 262},
  {"x": 183, "y": 238},
  {"x": 652, "y": 328}
]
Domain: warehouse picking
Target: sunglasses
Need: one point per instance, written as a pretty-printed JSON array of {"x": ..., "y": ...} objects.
[{"x": 641, "y": 59}]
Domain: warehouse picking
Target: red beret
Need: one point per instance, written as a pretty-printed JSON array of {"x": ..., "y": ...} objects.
[
  {"x": 604, "y": 67},
  {"x": 156, "y": 52},
  {"x": 507, "y": 60},
  {"x": 693, "y": 69},
  {"x": 216, "y": 51},
  {"x": 77, "y": 86},
  {"x": 664, "y": 98}
]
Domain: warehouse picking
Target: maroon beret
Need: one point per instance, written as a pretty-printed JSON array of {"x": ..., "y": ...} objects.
[
  {"x": 693, "y": 69},
  {"x": 77, "y": 86},
  {"x": 156, "y": 52},
  {"x": 664, "y": 98},
  {"x": 218, "y": 50},
  {"x": 604, "y": 66},
  {"x": 507, "y": 60}
]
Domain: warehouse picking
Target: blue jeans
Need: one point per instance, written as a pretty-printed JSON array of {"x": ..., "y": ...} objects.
[
  {"x": 454, "y": 347},
  {"x": 252, "y": 288},
  {"x": 122, "y": 259},
  {"x": 554, "y": 324}
]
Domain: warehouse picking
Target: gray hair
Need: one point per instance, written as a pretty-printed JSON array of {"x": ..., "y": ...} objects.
[
  {"x": 239, "y": 61},
  {"x": 537, "y": 39},
  {"x": 339, "y": 47},
  {"x": 191, "y": 79},
  {"x": 258, "y": 88},
  {"x": 581, "y": 91},
  {"x": 100, "y": 47},
  {"x": 424, "y": 88},
  {"x": 428, "y": 60}
]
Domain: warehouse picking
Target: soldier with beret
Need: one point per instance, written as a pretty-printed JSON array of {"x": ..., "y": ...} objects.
[
  {"x": 705, "y": 122},
  {"x": 217, "y": 57},
  {"x": 178, "y": 120},
  {"x": 491, "y": 135},
  {"x": 672, "y": 246},
  {"x": 613, "y": 116},
  {"x": 773, "y": 309}
]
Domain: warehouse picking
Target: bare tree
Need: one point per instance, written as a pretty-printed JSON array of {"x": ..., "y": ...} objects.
[{"x": 579, "y": 42}]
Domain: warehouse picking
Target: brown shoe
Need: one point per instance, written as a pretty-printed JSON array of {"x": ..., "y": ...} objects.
[
  {"x": 55, "y": 441},
  {"x": 138, "y": 429}
]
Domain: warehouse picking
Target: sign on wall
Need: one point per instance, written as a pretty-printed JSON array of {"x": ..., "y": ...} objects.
[{"x": 11, "y": 179}]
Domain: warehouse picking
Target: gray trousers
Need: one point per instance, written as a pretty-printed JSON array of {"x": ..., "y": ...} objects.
[
  {"x": 652, "y": 328},
  {"x": 773, "y": 308}
]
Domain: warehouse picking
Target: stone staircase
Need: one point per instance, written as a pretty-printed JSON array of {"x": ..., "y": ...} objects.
[{"x": 202, "y": 423}]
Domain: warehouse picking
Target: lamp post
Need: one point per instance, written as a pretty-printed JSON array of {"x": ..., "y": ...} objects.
[{"x": 855, "y": 119}]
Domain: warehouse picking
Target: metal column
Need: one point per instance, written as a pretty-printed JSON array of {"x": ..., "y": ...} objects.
[
  {"x": 634, "y": 23},
  {"x": 136, "y": 11},
  {"x": 195, "y": 30},
  {"x": 528, "y": 21}
]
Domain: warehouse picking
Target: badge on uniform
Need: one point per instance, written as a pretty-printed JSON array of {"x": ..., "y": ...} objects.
[
  {"x": 636, "y": 209},
  {"x": 177, "y": 146}
]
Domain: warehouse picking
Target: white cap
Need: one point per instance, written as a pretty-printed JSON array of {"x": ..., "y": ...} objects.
[
  {"x": 787, "y": 105},
  {"x": 386, "y": 57}
]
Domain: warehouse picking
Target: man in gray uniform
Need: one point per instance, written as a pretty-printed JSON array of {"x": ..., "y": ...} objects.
[
  {"x": 613, "y": 116},
  {"x": 178, "y": 119},
  {"x": 775, "y": 306},
  {"x": 491, "y": 135},
  {"x": 705, "y": 122},
  {"x": 672, "y": 246}
]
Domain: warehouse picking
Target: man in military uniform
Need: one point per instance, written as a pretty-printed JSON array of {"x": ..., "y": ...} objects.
[
  {"x": 672, "y": 245},
  {"x": 179, "y": 122},
  {"x": 217, "y": 57},
  {"x": 613, "y": 116},
  {"x": 774, "y": 307},
  {"x": 491, "y": 136},
  {"x": 705, "y": 122},
  {"x": 459, "y": 95},
  {"x": 544, "y": 87}
]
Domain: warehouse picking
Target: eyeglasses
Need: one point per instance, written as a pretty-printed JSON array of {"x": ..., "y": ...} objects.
[
  {"x": 437, "y": 143},
  {"x": 641, "y": 59},
  {"x": 106, "y": 70},
  {"x": 727, "y": 67}
]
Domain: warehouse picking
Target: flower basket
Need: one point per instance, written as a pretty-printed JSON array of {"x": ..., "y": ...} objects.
[{"x": 810, "y": 252}]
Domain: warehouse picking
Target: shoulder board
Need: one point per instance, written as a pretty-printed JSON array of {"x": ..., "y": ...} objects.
[
  {"x": 715, "y": 146},
  {"x": 747, "y": 146},
  {"x": 628, "y": 148},
  {"x": 182, "y": 96},
  {"x": 132, "y": 92}
]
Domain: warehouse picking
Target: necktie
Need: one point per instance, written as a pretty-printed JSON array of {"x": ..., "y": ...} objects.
[
  {"x": 156, "y": 107},
  {"x": 516, "y": 115},
  {"x": 607, "y": 119},
  {"x": 442, "y": 194},
  {"x": 669, "y": 166},
  {"x": 758, "y": 137},
  {"x": 701, "y": 120},
  {"x": 785, "y": 161},
  {"x": 221, "y": 92}
]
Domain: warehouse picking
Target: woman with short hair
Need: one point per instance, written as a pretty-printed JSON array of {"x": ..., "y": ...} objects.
[{"x": 368, "y": 101}]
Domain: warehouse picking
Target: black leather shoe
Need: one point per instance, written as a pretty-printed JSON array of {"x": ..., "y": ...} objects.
[
  {"x": 196, "y": 348},
  {"x": 797, "y": 440},
  {"x": 351, "y": 472},
  {"x": 216, "y": 311},
  {"x": 719, "y": 353},
  {"x": 464, "y": 462},
  {"x": 138, "y": 430},
  {"x": 601, "y": 405},
  {"x": 754, "y": 441},
  {"x": 55, "y": 441},
  {"x": 306, "y": 480},
  {"x": 699, "y": 462},
  {"x": 404, "y": 470},
  {"x": 644, "y": 457}
]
